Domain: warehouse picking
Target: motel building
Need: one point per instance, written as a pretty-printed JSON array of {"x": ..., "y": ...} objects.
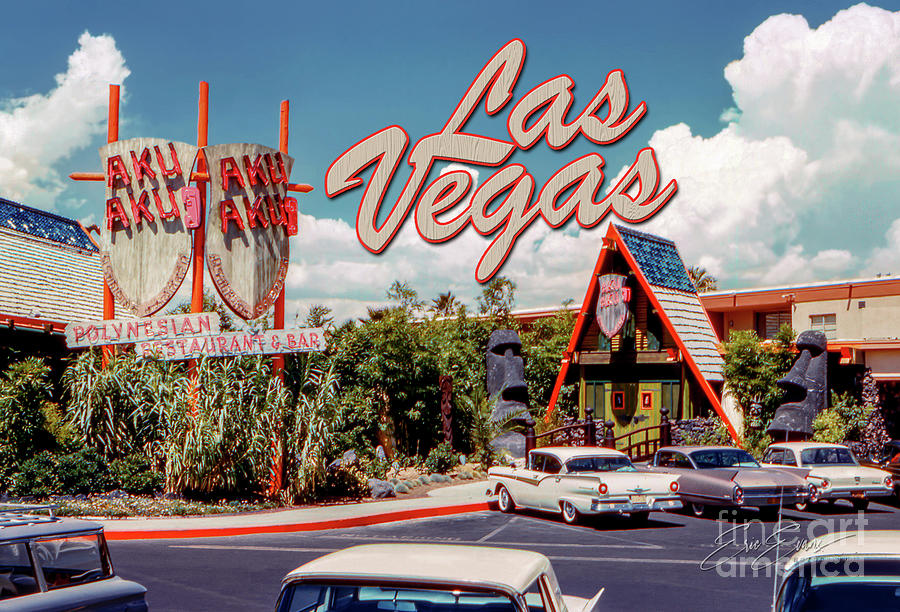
[{"x": 668, "y": 351}]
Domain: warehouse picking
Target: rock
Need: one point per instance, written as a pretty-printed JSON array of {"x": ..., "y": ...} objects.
[
  {"x": 462, "y": 459},
  {"x": 380, "y": 454},
  {"x": 349, "y": 458},
  {"x": 380, "y": 489},
  {"x": 117, "y": 494},
  {"x": 425, "y": 480},
  {"x": 394, "y": 481},
  {"x": 333, "y": 467},
  {"x": 510, "y": 442},
  {"x": 401, "y": 488}
]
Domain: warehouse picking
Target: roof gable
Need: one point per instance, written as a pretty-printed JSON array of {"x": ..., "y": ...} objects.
[{"x": 662, "y": 274}]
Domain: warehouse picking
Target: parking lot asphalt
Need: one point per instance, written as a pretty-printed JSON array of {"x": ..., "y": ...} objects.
[{"x": 674, "y": 562}]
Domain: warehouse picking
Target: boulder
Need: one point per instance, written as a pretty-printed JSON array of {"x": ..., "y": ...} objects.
[
  {"x": 349, "y": 458},
  {"x": 381, "y": 489},
  {"x": 380, "y": 455}
]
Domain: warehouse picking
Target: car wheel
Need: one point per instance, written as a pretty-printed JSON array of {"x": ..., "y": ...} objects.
[
  {"x": 640, "y": 518},
  {"x": 860, "y": 504},
  {"x": 569, "y": 513},
  {"x": 699, "y": 510},
  {"x": 505, "y": 501}
]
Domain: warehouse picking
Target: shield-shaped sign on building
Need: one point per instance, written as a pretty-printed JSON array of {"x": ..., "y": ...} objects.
[
  {"x": 247, "y": 241},
  {"x": 145, "y": 247},
  {"x": 612, "y": 304}
]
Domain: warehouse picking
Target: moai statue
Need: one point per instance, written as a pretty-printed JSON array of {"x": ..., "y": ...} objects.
[
  {"x": 806, "y": 389},
  {"x": 506, "y": 378}
]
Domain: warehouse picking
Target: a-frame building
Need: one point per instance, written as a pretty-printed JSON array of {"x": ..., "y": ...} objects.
[{"x": 663, "y": 355}]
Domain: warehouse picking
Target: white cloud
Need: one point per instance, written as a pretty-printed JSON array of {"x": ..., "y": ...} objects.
[
  {"x": 39, "y": 130},
  {"x": 788, "y": 191}
]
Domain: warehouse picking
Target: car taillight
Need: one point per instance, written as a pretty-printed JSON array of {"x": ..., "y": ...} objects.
[
  {"x": 674, "y": 486},
  {"x": 738, "y": 495},
  {"x": 888, "y": 482},
  {"x": 825, "y": 484},
  {"x": 813, "y": 493},
  {"x": 603, "y": 488}
]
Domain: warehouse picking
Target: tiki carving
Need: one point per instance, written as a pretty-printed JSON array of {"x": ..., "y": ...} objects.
[{"x": 446, "y": 384}]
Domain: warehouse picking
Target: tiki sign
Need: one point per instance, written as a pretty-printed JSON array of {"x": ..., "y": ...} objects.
[
  {"x": 145, "y": 244},
  {"x": 249, "y": 225},
  {"x": 612, "y": 305}
]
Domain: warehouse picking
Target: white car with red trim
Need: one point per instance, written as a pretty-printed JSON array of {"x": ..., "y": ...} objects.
[
  {"x": 576, "y": 481},
  {"x": 834, "y": 472}
]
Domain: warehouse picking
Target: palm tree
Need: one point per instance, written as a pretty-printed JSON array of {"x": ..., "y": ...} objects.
[
  {"x": 703, "y": 280},
  {"x": 445, "y": 304}
]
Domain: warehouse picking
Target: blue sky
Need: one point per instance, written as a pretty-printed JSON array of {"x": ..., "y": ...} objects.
[{"x": 778, "y": 119}]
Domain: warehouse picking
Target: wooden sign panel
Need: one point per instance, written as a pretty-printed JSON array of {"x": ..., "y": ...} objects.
[
  {"x": 145, "y": 247},
  {"x": 612, "y": 305},
  {"x": 127, "y": 331},
  {"x": 247, "y": 241},
  {"x": 234, "y": 344}
]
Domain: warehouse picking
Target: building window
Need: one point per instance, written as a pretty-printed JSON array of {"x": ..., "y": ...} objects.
[
  {"x": 826, "y": 323},
  {"x": 770, "y": 322}
]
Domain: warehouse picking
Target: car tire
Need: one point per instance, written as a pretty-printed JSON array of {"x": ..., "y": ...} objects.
[
  {"x": 860, "y": 504},
  {"x": 698, "y": 510},
  {"x": 640, "y": 518},
  {"x": 505, "y": 501},
  {"x": 569, "y": 513}
]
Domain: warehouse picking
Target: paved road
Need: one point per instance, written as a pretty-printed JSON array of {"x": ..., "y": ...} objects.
[{"x": 655, "y": 567}]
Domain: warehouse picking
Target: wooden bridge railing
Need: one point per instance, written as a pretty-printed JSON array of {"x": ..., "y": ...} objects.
[{"x": 639, "y": 444}]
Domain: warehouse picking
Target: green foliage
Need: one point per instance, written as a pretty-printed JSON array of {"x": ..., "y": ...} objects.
[
  {"x": 717, "y": 436},
  {"x": 83, "y": 471},
  {"x": 478, "y": 407},
  {"x": 135, "y": 474},
  {"x": 24, "y": 389},
  {"x": 845, "y": 420},
  {"x": 441, "y": 459},
  {"x": 308, "y": 429},
  {"x": 497, "y": 298},
  {"x": 117, "y": 408},
  {"x": 751, "y": 371},
  {"x": 542, "y": 346},
  {"x": 221, "y": 423}
]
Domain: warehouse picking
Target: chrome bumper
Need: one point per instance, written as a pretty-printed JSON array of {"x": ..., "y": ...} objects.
[
  {"x": 625, "y": 505},
  {"x": 854, "y": 492}
]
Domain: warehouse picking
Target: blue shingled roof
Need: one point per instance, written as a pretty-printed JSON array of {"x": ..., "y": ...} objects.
[
  {"x": 658, "y": 259},
  {"x": 43, "y": 224}
]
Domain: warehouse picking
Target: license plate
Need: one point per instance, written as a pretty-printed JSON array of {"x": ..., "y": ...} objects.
[
  {"x": 773, "y": 500},
  {"x": 638, "y": 499},
  {"x": 860, "y": 494}
]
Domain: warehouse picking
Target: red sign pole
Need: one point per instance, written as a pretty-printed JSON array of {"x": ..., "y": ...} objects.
[
  {"x": 283, "y": 133},
  {"x": 200, "y": 230},
  {"x": 112, "y": 135}
]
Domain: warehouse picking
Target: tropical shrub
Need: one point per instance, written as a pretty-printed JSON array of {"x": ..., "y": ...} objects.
[
  {"x": 24, "y": 389},
  {"x": 79, "y": 472},
  {"x": 844, "y": 420},
  {"x": 136, "y": 474},
  {"x": 441, "y": 459}
]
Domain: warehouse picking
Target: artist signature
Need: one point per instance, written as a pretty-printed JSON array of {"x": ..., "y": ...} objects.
[{"x": 760, "y": 551}]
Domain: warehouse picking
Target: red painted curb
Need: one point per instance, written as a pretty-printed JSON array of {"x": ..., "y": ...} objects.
[{"x": 354, "y": 521}]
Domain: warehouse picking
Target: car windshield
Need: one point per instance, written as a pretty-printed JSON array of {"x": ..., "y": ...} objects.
[
  {"x": 726, "y": 457},
  {"x": 839, "y": 592},
  {"x": 600, "y": 464},
  {"x": 309, "y": 597},
  {"x": 827, "y": 456}
]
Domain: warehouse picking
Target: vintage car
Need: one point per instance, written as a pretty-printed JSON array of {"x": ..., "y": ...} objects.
[
  {"x": 427, "y": 578},
  {"x": 583, "y": 480},
  {"x": 52, "y": 564},
  {"x": 833, "y": 471},
  {"x": 889, "y": 461},
  {"x": 843, "y": 571},
  {"x": 727, "y": 477}
]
